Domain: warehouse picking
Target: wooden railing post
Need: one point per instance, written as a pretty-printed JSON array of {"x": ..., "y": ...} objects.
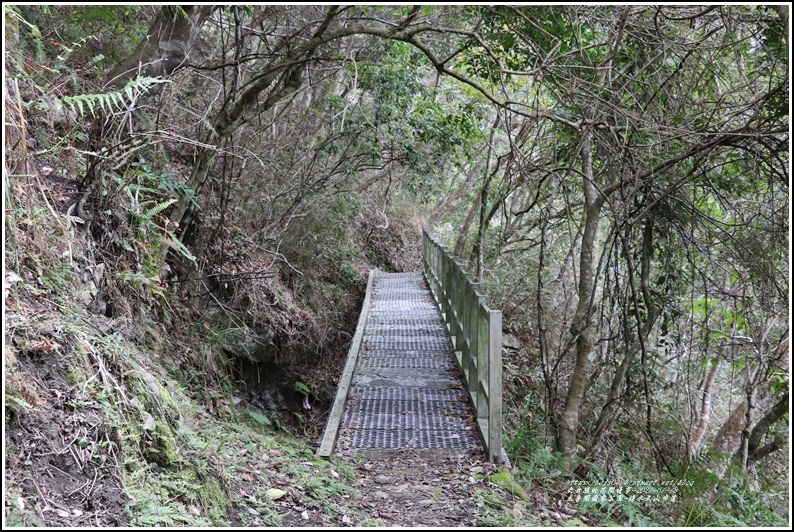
[
  {"x": 495, "y": 385},
  {"x": 476, "y": 333}
]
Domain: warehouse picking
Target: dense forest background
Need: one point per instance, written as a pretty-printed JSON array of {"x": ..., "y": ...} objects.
[{"x": 194, "y": 195}]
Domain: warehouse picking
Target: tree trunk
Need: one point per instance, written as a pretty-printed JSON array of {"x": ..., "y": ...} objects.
[
  {"x": 763, "y": 426},
  {"x": 460, "y": 245},
  {"x": 166, "y": 45},
  {"x": 705, "y": 410},
  {"x": 581, "y": 326},
  {"x": 449, "y": 204},
  {"x": 287, "y": 82},
  {"x": 480, "y": 258},
  {"x": 653, "y": 313},
  {"x": 728, "y": 439},
  {"x": 778, "y": 443}
]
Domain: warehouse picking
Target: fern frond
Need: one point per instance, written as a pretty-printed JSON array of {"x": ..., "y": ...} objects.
[
  {"x": 110, "y": 102},
  {"x": 157, "y": 209},
  {"x": 34, "y": 30}
]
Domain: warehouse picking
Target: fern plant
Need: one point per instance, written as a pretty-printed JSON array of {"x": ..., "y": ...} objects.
[
  {"x": 107, "y": 102},
  {"x": 157, "y": 209}
]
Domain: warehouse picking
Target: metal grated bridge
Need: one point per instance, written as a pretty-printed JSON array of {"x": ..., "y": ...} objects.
[{"x": 402, "y": 388}]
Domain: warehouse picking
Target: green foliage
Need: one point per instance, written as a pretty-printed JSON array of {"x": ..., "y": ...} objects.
[
  {"x": 730, "y": 499},
  {"x": 298, "y": 206},
  {"x": 418, "y": 127},
  {"x": 107, "y": 102},
  {"x": 259, "y": 418},
  {"x": 15, "y": 402},
  {"x": 500, "y": 33},
  {"x": 107, "y": 33},
  {"x": 392, "y": 83},
  {"x": 503, "y": 479}
]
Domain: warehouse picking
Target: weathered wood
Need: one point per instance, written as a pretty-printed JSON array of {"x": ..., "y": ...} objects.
[
  {"x": 338, "y": 409},
  {"x": 494, "y": 446},
  {"x": 476, "y": 333}
]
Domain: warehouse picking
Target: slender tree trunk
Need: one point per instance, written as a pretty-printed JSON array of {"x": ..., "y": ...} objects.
[
  {"x": 483, "y": 205},
  {"x": 581, "y": 328},
  {"x": 620, "y": 375},
  {"x": 551, "y": 389},
  {"x": 742, "y": 453},
  {"x": 460, "y": 245},
  {"x": 450, "y": 203},
  {"x": 705, "y": 409},
  {"x": 777, "y": 444},
  {"x": 762, "y": 427}
]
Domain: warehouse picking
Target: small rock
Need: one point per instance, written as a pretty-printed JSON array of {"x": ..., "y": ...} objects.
[
  {"x": 472, "y": 480},
  {"x": 253, "y": 511},
  {"x": 380, "y": 495},
  {"x": 517, "y": 513},
  {"x": 425, "y": 502},
  {"x": 77, "y": 513},
  {"x": 62, "y": 513},
  {"x": 381, "y": 479},
  {"x": 305, "y": 515}
]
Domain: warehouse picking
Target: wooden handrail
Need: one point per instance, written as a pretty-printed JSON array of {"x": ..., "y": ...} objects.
[{"x": 476, "y": 333}]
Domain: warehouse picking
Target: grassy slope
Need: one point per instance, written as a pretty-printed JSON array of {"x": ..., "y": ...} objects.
[{"x": 119, "y": 420}]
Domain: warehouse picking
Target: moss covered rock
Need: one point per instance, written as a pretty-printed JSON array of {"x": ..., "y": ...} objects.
[{"x": 504, "y": 479}]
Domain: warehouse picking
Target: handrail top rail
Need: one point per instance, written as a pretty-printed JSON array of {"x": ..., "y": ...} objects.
[{"x": 470, "y": 280}]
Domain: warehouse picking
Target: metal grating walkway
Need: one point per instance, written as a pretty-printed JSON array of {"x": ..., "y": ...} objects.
[{"x": 405, "y": 391}]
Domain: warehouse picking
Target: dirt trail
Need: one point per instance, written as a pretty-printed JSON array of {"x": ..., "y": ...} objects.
[{"x": 405, "y": 490}]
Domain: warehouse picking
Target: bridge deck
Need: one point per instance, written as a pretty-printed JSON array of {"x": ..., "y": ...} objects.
[{"x": 406, "y": 391}]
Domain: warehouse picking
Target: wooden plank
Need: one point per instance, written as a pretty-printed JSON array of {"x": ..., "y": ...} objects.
[{"x": 335, "y": 417}]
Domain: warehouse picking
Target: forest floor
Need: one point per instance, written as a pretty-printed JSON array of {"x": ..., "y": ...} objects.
[
  {"x": 63, "y": 474},
  {"x": 411, "y": 491}
]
